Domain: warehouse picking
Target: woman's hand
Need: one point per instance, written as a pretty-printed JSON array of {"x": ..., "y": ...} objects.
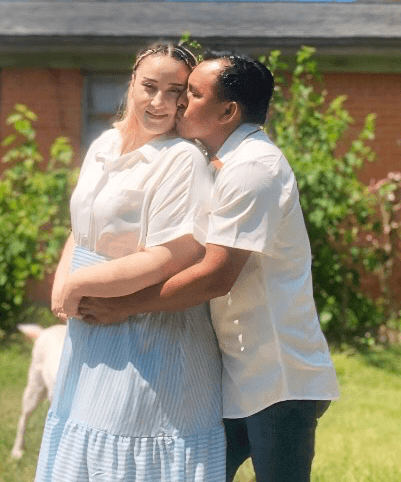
[
  {"x": 70, "y": 297},
  {"x": 60, "y": 278},
  {"x": 57, "y": 302}
]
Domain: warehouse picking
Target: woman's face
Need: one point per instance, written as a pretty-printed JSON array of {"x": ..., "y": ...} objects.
[{"x": 157, "y": 83}]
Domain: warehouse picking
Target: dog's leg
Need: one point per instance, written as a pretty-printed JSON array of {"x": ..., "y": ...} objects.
[{"x": 34, "y": 392}]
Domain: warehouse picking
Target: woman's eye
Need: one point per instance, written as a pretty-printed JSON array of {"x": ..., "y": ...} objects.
[{"x": 149, "y": 86}]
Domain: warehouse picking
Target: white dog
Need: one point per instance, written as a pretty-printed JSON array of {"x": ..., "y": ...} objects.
[{"x": 46, "y": 355}]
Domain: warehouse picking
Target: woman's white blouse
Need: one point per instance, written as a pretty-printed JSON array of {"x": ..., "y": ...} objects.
[
  {"x": 138, "y": 400},
  {"x": 144, "y": 198}
]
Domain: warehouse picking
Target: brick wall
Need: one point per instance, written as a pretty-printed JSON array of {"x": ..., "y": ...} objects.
[
  {"x": 54, "y": 95},
  {"x": 380, "y": 94}
]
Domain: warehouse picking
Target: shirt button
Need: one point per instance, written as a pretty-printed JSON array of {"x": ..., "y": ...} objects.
[{"x": 84, "y": 240}]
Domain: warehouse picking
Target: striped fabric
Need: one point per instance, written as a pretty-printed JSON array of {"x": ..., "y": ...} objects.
[{"x": 138, "y": 401}]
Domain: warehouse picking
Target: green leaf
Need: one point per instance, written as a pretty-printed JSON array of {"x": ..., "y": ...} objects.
[
  {"x": 34, "y": 215},
  {"x": 8, "y": 140}
]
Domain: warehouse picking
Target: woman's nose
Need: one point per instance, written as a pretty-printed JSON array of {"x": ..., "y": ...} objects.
[{"x": 158, "y": 99}]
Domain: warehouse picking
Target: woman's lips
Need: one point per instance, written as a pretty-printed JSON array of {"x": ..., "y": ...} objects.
[{"x": 156, "y": 116}]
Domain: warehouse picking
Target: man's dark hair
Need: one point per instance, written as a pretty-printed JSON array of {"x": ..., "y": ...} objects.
[{"x": 246, "y": 81}]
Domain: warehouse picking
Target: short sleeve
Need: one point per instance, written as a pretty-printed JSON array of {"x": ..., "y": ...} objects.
[
  {"x": 248, "y": 203},
  {"x": 181, "y": 203}
]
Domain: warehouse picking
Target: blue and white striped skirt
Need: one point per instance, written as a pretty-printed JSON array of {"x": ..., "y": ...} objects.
[{"x": 138, "y": 401}]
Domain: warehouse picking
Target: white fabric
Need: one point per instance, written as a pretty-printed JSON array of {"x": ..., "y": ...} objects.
[
  {"x": 138, "y": 400},
  {"x": 268, "y": 329},
  {"x": 152, "y": 195}
]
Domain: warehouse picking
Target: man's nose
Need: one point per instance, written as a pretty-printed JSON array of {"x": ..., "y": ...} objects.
[{"x": 182, "y": 101}]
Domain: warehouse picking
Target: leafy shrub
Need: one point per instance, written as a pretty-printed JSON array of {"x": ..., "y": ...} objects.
[
  {"x": 34, "y": 211},
  {"x": 337, "y": 207},
  {"x": 384, "y": 242}
]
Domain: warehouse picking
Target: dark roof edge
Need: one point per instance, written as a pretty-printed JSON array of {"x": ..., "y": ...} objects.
[{"x": 105, "y": 44}]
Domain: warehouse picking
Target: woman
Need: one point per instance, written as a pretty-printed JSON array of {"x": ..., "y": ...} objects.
[{"x": 140, "y": 400}]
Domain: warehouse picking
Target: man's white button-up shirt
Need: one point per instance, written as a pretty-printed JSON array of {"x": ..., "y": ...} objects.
[{"x": 268, "y": 329}]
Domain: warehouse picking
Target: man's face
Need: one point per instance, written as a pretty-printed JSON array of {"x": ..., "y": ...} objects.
[{"x": 203, "y": 108}]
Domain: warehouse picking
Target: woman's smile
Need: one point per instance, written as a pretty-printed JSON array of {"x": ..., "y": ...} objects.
[{"x": 156, "y": 116}]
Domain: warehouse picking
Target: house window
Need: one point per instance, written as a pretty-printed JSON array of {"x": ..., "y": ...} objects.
[{"x": 104, "y": 98}]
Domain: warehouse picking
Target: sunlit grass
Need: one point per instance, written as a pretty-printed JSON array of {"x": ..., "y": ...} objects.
[
  {"x": 14, "y": 363},
  {"x": 358, "y": 439}
]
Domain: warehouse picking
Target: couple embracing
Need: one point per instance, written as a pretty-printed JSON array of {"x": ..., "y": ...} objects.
[{"x": 155, "y": 384}]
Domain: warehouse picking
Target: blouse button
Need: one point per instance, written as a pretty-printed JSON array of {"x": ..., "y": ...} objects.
[{"x": 84, "y": 240}]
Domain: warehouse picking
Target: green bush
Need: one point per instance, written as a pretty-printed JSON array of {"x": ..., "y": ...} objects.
[
  {"x": 385, "y": 244},
  {"x": 337, "y": 207},
  {"x": 34, "y": 211}
]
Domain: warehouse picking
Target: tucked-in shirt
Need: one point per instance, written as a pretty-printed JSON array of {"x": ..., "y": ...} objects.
[
  {"x": 144, "y": 198},
  {"x": 268, "y": 329}
]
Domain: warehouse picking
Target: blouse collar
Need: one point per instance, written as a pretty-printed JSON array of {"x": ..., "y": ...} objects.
[{"x": 114, "y": 161}]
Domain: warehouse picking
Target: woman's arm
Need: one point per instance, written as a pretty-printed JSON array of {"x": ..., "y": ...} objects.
[
  {"x": 212, "y": 277},
  {"x": 123, "y": 276},
  {"x": 60, "y": 278}
]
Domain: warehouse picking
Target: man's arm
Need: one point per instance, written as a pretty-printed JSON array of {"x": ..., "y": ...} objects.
[{"x": 212, "y": 277}]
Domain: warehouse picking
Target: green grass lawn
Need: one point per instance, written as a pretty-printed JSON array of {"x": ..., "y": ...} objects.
[
  {"x": 358, "y": 439},
  {"x": 14, "y": 362}
]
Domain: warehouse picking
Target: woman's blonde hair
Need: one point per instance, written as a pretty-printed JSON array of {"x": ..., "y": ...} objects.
[{"x": 177, "y": 52}]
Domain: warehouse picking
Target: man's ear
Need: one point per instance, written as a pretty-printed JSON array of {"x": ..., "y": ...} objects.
[{"x": 232, "y": 113}]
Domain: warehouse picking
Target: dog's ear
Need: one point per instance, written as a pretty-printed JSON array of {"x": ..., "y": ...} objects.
[{"x": 31, "y": 330}]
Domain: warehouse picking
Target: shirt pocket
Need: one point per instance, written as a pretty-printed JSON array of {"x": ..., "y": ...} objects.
[
  {"x": 120, "y": 223},
  {"x": 128, "y": 206}
]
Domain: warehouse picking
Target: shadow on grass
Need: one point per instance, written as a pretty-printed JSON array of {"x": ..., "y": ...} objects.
[
  {"x": 16, "y": 343},
  {"x": 384, "y": 357}
]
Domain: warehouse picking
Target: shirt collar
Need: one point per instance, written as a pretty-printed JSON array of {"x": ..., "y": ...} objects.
[
  {"x": 150, "y": 152},
  {"x": 118, "y": 163},
  {"x": 234, "y": 140}
]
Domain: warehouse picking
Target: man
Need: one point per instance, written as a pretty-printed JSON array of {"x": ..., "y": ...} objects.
[{"x": 278, "y": 377}]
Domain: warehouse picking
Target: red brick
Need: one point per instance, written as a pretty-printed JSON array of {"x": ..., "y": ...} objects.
[
  {"x": 373, "y": 93},
  {"x": 54, "y": 95}
]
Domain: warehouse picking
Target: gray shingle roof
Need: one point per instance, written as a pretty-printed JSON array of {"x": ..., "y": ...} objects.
[
  {"x": 105, "y": 34},
  {"x": 204, "y": 20}
]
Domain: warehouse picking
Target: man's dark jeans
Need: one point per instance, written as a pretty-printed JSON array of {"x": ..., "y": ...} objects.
[{"x": 280, "y": 439}]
